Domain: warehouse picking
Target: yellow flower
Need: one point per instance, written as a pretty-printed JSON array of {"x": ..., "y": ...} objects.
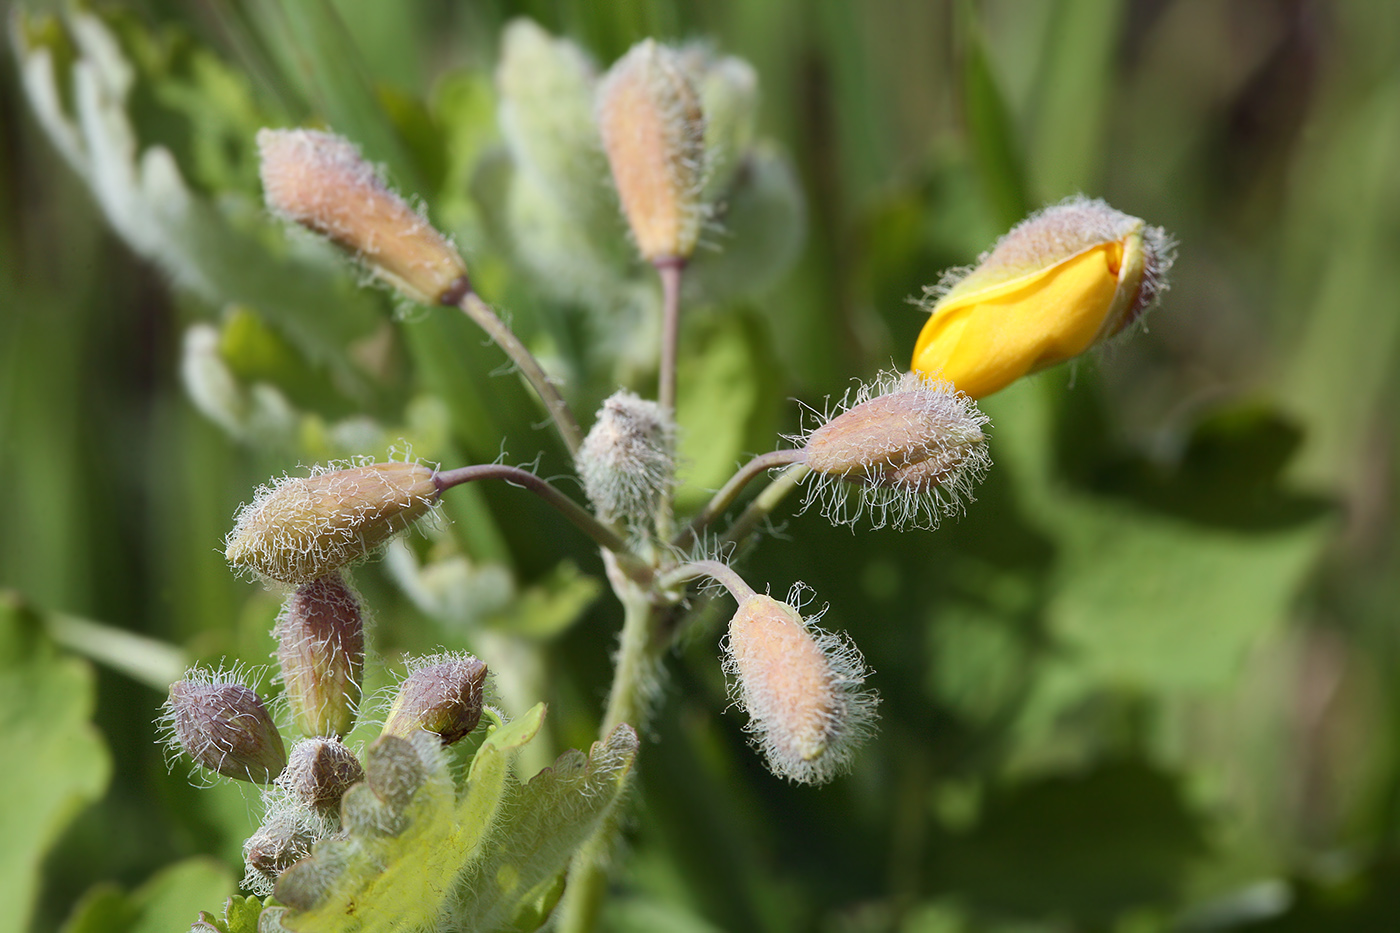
[{"x": 1062, "y": 281}]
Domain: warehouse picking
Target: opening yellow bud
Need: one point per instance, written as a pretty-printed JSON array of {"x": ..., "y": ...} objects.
[
  {"x": 654, "y": 134},
  {"x": 1062, "y": 281},
  {"x": 297, "y": 530}
]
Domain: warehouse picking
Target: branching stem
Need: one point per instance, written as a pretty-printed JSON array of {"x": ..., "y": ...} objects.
[
  {"x": 764, "y": 503},
  {"x": 731, "y": 489}
]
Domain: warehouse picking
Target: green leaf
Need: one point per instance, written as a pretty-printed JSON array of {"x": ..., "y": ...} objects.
[
  {"x": 407, "y": 835},
  {"x": 56, "y": 762},
  {"x": 551, "y": 816},
  {"x": 551, "y": 606}
]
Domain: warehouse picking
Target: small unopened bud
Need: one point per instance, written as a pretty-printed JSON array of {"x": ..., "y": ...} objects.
[
  {"x": 321, "y": 181},
  {"x": 321, "y": 649},
  {"x": 801, "y": 689},
  {"x": 628, "y": 460},
  {"x": 444, "y": 696},
  {"x": 1060, "y": 282},
  {"x": 297, "y": 530},
  {"x": 224, "y": 726},
  {"x": 729, "y": 97},
  {"x": 654, "y": 135},
  {"x": 904, "y": 450},
  {"x": 277, "y": 843},
  {"x": 319, "y": 772}
]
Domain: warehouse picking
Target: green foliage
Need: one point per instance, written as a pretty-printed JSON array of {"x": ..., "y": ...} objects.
[
  {"x": 1147, "y": 682},
  {"x": 57, "y": 761}
]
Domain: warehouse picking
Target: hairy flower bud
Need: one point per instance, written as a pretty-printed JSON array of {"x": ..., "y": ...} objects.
[
  {"x": 443, "y": 696},
  {"x": 224, "y": 726},
  {"x": 904, "y": 450},
  {"x": 628, "y": 459},
  {"x": 296, "y": 530},
  {"x": 321, "y": 181},
  {"x": 801, "y": 689},
  {"x": 276, "y": 844},
  {"x": 1062, "y": 281},
  {"x": 319, "y": 772},
  {"x": 654, "y": 135},
  {"x": 321, "y": 649}
]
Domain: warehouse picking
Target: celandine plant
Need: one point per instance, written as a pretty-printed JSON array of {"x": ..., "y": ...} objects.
[{"x": 407, "y": 833}]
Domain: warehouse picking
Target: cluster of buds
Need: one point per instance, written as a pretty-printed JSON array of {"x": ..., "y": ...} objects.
[
  {"x": 224, "y": 726},
  {"x": 628, "y": 460}
]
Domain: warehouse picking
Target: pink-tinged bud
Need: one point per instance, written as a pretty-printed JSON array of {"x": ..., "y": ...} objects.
[
  {"x": 319, "y": 772},
  {"x": 801, "y": 689},
  {"x": 654, "y": 135},
  {"x": 443, "y": 696},
  {"x": 628, "y": 459},
  {"x": 321, "y": 181},
  {"x": 297, "y": 530},
  {"x": 904, "y": 450},
  {"x": 224, "y": 726},
  {"x": 321, "y": 649}
]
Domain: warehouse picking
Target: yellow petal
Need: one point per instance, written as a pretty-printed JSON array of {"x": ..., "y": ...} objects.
[{"x": 984, "y": 340}]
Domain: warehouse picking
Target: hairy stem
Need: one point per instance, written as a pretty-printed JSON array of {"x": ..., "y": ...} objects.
[
  {"x": 731, "y": 489},
  {"x": 480, "y": 312},
  {"x": 581, "y": 517},
  {"x": 719, "y": 572},
  {"x": 764, "y": 503},
  {"x": 633, "y": 688}
]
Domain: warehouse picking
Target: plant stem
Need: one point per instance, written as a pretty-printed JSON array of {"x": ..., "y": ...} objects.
[
  {"x": 480, "y": 312},
  {"x": 715, "y": 570},
  {"x": 731, "y": 489},
  {"x": 633, "y": 688},
  {"x": 764, "y": 503},
  {"x": 670, "y": 271},
  {"x": 581, "y": 517}
]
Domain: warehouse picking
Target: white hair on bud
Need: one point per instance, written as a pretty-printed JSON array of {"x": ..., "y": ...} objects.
[
  {"x": 802, "y": 688},
  {"x": 628, "y": 460},
  {"x": 915, "y": 462}
]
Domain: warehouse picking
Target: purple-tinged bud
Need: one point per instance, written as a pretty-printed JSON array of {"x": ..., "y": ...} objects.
[
  {"x": 224, "y": 726},
  {"x": 653, "y": 132},
  {"x": 801, "y": 689},
  {"x": 319, "y": 772},
  {"x": 321, "y": 649},
  {"x": 443, "y": 696},
  {"x": 905, "y": 450},
  {"x": 277, "y": 843},
  {"x": 297, "y": 530},
  {"x": 628, "y": 460},
  {"x": 321, "y": 181}
]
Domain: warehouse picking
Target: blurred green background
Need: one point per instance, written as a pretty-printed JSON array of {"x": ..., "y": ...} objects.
[{"x": 1151, "y": 680}]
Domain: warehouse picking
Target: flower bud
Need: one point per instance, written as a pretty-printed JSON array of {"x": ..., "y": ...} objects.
[
  {"x": 444, "y": 696},
  {"x": 321, "y": 648},
  {"x": 729, "y": 99},
  {"x": 321, "y": 181},
  {"x": 654, "y": 135},
  {"x": 223, "y": 726},
  {"x": 281, "y": 840},
  {"x": 801, "y": 689},
  {"x": 319, "y": 772},
  {"x": 628, "y": 459},
  {"x": 905, "y": 450},
  {"x": 1062, "y": 281},
  {"x": 297, "y": 530}
]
